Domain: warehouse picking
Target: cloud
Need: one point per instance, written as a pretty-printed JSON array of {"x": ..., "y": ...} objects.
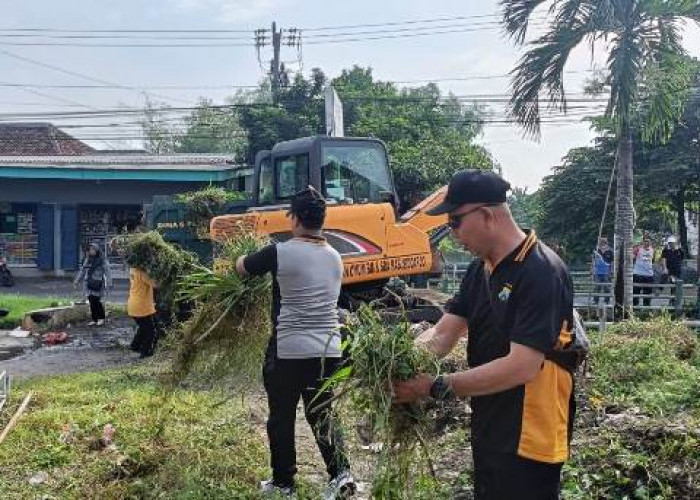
[{"x": 231, "y": 11}]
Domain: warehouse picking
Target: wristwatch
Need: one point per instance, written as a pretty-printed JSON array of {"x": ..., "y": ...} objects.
[{"x": 441, "y": 390}]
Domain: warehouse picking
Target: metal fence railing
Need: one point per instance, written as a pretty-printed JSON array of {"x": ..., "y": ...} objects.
[{"x": 596, "y": 297}]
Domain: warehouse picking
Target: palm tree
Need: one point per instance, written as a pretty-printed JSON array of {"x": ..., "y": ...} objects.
[{"x": 645, "y": 74}]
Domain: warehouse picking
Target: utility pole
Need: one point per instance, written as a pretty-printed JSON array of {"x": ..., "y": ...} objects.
[
  {"x": 275, "y": 63},
  {"x": 290, "y": 37}
]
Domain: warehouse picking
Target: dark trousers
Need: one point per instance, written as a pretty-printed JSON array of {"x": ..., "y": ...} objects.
[
  {"x": 602, "y": 286},
  {"x": 145, "y": 338},
  {"x": 97, "y": 309},
  {"x": 642, "y": 290},
  {"x": 501, "y": 476},
  {"x": 287, "y": 380}
]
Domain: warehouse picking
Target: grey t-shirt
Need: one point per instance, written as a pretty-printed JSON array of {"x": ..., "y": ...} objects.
[{"x": 307, "y": 274}]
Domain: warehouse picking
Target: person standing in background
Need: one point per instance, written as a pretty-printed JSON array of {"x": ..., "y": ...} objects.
[
  {"x": 141, "y": 307},
  {"x": 602, "y": 269},
  {"x": 643, "y": 270},
  {"x": 96, "y": 279},
  {"x": 672, "y": 259}
]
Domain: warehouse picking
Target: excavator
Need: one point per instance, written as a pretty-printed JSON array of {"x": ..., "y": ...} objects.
[{"x": 361, "y": 220}]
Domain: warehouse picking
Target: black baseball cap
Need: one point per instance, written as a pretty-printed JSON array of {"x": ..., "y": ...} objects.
[{"x": 472, "y": 186}]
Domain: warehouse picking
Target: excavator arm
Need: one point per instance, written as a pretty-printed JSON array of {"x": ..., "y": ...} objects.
[{"x": 418, "y": 217}]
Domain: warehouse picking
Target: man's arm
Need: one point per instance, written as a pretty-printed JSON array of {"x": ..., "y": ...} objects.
[
  {"x": 443, "y": 337},
  {"x": 261, "y": 262},
  {"x": 240, "y": 267},
  {"x": 519, "y": 367}
]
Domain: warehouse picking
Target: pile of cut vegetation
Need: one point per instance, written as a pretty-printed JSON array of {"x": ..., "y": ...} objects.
[
  {"x": 380, "y": 354},
  {"x": 225, "y": 339},
  {"x": 638, "y": 434},
  {"x": 161, "y": 261}
]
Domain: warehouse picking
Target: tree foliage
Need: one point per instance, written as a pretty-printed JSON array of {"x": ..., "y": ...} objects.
[
  {"x": 429, "y": 136},
  {"x": 645, "y": 71},
  {"x": 667, "y": 182},
  {"x": 573, "y": 200}
]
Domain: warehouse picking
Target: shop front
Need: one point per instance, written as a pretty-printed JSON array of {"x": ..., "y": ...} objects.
[
  {"x": 19, "y": 234},
  {"x": 100, "y": 224},
  {"x": 53, "y": 208}
]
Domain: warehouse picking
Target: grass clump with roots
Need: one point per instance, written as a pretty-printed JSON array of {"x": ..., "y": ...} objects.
[{"x": 379, "y": 355}]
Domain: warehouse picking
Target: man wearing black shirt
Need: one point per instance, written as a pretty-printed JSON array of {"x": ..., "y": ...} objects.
[
  {"x": 672, "y": 258},
  {"x": 515, "y": 304}
]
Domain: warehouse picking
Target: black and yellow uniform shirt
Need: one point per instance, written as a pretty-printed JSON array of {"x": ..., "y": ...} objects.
[{"x": 526, "y": 299}]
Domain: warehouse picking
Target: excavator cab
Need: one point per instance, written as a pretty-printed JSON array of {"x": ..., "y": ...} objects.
[{"x": 347, "y": 171}]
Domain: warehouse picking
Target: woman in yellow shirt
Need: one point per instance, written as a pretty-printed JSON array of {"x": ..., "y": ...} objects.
[{"x": 141, "y": 307}]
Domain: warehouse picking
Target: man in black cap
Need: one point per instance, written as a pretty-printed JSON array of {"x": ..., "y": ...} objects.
[
  {"x": 305, "y": 346},
  {"x": 515, "y": 304}
]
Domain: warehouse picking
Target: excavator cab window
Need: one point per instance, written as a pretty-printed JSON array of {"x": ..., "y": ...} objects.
[
  {"x": 292, "y": 175},
  {"x": 355, "y": 172}
]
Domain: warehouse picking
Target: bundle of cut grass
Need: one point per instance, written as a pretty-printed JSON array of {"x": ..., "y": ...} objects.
[
  {"x": 163, "y": 262},
  {"x": 226, "y": 337},
  {"x": 381, "y": 354}
]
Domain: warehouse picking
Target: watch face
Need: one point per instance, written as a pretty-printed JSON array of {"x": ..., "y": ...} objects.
[{"x": 437, "y": 390}]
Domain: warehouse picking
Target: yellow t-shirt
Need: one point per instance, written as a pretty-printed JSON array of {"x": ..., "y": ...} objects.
[{"x": 140, "y": 302}]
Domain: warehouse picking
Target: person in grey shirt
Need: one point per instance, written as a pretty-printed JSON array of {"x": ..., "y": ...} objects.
[
  {"x": 304, "y": 349},
  {"x": 96, "y": 279}
]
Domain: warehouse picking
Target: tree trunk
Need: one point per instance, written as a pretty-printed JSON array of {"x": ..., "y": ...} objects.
[
  {"x": 624, "y": 223},
  {"x": 680, "y": 217}
]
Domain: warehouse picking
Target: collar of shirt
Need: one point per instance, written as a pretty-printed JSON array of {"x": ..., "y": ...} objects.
[{"x": 517, "y": 255}]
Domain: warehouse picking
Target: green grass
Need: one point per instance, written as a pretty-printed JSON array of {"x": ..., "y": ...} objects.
[
  {"x": 650, "y": 365},
  {"x": 19, "y": 305},
  {"x": 647, "y": 372},
  {"x": 206, "y": 451}
]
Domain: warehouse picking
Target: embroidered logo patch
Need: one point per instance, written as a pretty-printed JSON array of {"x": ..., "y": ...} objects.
[{"x": 504, "y": 294}]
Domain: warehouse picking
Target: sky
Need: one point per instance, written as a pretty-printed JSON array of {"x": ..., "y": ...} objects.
[{"x": 472, "y": 50}]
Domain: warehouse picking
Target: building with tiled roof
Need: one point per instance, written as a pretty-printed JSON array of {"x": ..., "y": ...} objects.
[{"x": 39, "y": 139}]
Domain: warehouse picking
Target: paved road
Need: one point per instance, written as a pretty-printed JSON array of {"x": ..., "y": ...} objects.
[{"x": 62, "y": 287}]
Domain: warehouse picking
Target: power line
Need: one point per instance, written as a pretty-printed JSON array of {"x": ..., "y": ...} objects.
[
  {"x": 138, "y": 111},
  {"x": 120, "y": 87},
  {"x": 74, "y": 73},
  {"x": 402, "y": 23},
  {"x": 255, "y": 38},
  {"x": 68, "y": 30},
  {"x": 251, "y": 37},
  {"x": 247, "y": 30},
  {"x": 122, "y": 37}
]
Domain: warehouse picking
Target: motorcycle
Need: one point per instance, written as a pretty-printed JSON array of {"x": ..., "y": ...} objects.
[{"x": 6, "y": 278}]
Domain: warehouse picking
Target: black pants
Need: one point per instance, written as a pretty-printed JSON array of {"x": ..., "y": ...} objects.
[
  {"x": 642, "y": 290},
  {"x": 97, "y": 309},
  {"x": 500, "y": 476},
  {"x": 145, "y": 338},
  {"x": 286, "y": 380},
  {"x": 602, "y": 286}
]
